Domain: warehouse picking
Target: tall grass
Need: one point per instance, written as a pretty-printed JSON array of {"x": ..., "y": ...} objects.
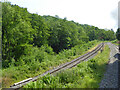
[{"x": 87, "y": 74}]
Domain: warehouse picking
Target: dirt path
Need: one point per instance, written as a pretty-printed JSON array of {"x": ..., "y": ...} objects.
[{"x": 110, "y": 79}]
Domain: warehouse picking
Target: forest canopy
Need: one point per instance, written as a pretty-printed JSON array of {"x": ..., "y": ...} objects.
[{"x": 23, "y": 32}]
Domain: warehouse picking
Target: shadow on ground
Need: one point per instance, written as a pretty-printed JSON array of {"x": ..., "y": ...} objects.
[{"x": 118, "y": 57}]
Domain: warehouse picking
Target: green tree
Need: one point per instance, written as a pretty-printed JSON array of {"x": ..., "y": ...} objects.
[
  {"x": 118, "y": 34},
  {"x": 17, "y": 32},
  {"x": 41, "y": 30}
]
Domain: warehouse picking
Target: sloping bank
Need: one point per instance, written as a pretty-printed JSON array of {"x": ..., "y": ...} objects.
[
  {"x": 33, "y": 67},
  {"x": 87, "y": 74}
]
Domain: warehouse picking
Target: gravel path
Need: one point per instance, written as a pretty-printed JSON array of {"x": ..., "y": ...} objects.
[{"x": 110, "y": 79}]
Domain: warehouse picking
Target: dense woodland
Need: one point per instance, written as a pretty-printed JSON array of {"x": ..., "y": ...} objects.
[{"x": 25, "y": 34}]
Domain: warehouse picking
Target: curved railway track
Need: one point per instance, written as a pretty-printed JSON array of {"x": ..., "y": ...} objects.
[{"x": 61, "y": 67}]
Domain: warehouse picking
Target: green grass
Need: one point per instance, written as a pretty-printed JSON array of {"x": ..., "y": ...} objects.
[
  {"x": 33, "y": 67},
  {"x": 87, "y": 74},
  {"x": 115, "y": 42}
]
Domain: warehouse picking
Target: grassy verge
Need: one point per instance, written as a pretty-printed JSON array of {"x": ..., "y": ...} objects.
[
  {"x": 115, "y": 42},
  {"x": 15, "y": 74},
  {"x": 87, "y": 74}
]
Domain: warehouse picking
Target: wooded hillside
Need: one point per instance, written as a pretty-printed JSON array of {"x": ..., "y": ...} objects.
[{"x": 23, "y": 33}]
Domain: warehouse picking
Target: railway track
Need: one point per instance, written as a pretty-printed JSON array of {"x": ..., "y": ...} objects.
[{"x": 61, "y": 67}]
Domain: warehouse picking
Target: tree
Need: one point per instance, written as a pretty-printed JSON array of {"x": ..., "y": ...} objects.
[
  {"x": 41, "y": 30},
  {"x": 118, "y": 34},
  {"x": 17, "y": 32}
]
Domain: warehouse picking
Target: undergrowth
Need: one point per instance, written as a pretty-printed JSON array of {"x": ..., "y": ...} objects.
[
  {"x": 40, "y": 60},
  {"x": 87, "y": 74}
]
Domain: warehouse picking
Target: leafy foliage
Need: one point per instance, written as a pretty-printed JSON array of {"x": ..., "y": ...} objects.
[
  {"x": 32, "y": 43},
  {"x": 99, "y": 34},
  {"x": 21, "y": 30},
  {"x": 16, "y": 31},
  {"x": 38, "y": 60},
  {"x": 87, "y": 74}
]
